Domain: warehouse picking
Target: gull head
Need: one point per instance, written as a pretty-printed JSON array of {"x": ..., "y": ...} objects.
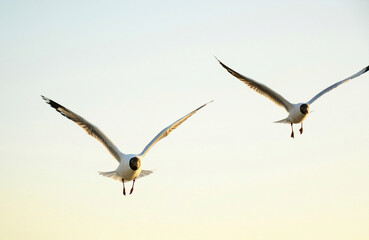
[
  {"x": 134, "y": 163},
  {"x": 304, "y": 108}
]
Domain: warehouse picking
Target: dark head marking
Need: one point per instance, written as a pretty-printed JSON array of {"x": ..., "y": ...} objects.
[
  {"x": 135, "y": 163},
  {"x": 304, "y": 108}
]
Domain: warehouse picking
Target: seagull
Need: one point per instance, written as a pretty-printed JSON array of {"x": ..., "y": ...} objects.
[
  {"x": 129, "y": 167},
  {"x": 297, "y": 113}
]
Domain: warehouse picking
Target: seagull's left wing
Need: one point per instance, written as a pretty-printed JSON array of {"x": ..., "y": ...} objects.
[
  {"x": 260, "y": 88},
  {"x": 165, "y": 132},
  {"x": 87, "y": 126},
  {"x": 337, "y": 84}
]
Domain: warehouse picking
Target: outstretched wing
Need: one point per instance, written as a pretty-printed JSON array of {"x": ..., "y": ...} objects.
[
  {"x": 165, "y": 132},
  {"x": 87, "y": 126},
  {"x": 260, "y": 88},
  {"x": 337, "y": 84}
]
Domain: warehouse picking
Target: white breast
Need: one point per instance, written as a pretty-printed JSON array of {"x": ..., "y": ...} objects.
[
  {"x": 125, "y": 171},
  {"x": 296, "y": 116}
]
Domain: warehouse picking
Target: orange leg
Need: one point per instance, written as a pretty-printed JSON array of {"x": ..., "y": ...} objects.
[
  {"x": 132, "y": 186},
  {"x": 301, "y": 129},
  {"x": 124, "y": 188}
]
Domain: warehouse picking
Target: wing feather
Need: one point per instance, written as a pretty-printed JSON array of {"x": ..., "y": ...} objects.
[
  {"x": 364, "y": 70},
  {"x": 260, "y": 88},
  {"x": 87, "y": 126},
  {"x": 165, "y": 132}
]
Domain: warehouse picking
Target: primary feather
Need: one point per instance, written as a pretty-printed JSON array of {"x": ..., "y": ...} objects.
[{"x": 91, "y": 129}]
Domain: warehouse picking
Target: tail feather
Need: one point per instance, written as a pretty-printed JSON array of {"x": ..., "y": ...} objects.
[
  {"x": 145, "y": 173},
  {"x": 115, "y": 176},
  {"x": 282, "y": 121},
  {"x": 112, "y": 175}
]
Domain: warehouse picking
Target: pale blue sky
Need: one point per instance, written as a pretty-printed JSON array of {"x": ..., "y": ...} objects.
[{"x": 132, "y": 68}]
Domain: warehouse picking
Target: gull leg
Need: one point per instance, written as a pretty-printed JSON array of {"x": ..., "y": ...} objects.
[
  {"x": 292, "y": 133},
  {"x": 124, "y": 188},
  {"x": 132, "y": 187},
  {"x": 301, "y": 129}
]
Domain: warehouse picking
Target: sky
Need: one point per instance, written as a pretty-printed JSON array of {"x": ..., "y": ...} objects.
[{"x": 134, "y": 67}]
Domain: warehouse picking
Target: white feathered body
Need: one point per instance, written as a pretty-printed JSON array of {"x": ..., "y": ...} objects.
[
  {"x": 295, "y": 115},
  {"x": 124, "y": 170}
]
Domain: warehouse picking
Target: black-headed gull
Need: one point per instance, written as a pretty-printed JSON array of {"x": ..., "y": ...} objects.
[
  {"x": 297, "y": 112},
  {"x": 129, "y": 167}
]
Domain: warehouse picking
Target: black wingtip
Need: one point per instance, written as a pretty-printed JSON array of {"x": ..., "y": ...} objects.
[
  {"x": 47, "y": 100},
  {"x": 223, "y": 65},
  {"x": 52, "y": 103},
  {"x": 219, "y": 61},
  {"x": 367, "y": 69}
]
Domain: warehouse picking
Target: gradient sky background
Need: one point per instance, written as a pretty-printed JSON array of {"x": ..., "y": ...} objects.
[{"x": 134, "y": 67}]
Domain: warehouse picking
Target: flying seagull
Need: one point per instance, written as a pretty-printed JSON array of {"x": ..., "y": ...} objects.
[
  {"x": 296, "y": 112},
  {"x": 129, "y": 167}
]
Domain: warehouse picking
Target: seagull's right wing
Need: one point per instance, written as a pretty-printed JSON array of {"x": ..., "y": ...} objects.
[
  {"x": 364, "y": 70},
  {"x": 260, "y": 88},
  {"x": 87, "y": 126},
  {"x": 165, "y": 132}
]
